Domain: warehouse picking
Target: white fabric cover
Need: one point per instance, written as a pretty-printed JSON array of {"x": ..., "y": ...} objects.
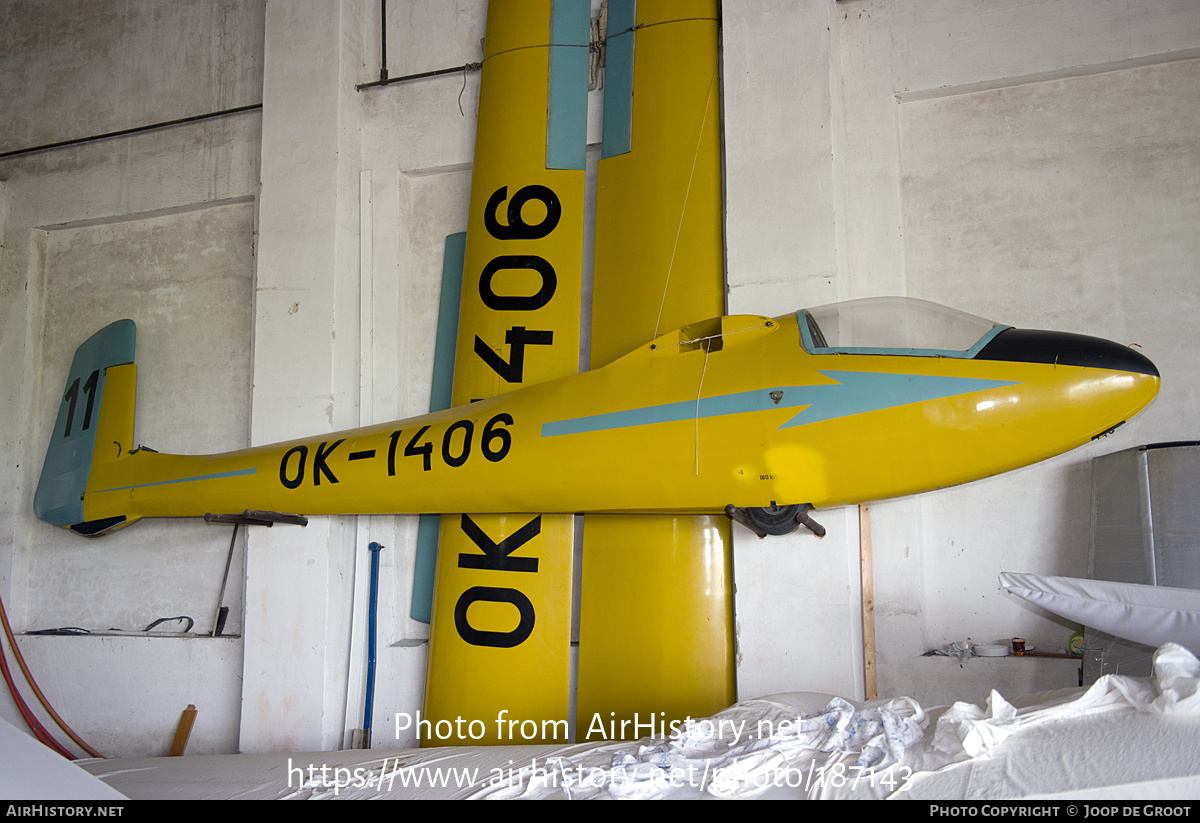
[
  {"x": 1174, "y": 690},
  {"x": 1125, "y": 737}
]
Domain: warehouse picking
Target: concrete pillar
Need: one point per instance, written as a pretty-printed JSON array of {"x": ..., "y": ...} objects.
[
  {"x": 299, "y": 581},
  {"x": 781, "y": 254}
]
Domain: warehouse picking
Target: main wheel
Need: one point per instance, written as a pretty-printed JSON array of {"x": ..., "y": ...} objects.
[{"x": 775, "y": 519}]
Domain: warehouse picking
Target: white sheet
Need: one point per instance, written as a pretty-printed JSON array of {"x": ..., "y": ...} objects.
[
  {"x": 1124, "y": 737},
  {"x": 740, "y": 752}
]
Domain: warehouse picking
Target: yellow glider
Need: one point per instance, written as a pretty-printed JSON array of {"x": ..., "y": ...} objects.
[{"x": 847, "y": 403}]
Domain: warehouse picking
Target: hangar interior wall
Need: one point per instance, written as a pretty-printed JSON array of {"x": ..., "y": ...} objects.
[{"x": 1034, "y": 163}]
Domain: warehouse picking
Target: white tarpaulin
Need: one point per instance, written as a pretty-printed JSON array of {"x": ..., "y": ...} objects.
[{"x": 1125, "y": 737}]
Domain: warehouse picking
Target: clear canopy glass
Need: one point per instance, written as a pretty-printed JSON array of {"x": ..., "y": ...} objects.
[{"x": 894, "y": 325}]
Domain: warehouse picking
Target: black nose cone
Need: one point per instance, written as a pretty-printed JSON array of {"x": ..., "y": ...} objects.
[{"x": 1034, "y": 346}]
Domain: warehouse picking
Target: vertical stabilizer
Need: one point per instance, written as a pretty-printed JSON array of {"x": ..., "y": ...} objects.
[{"x": 94, "y": 425}]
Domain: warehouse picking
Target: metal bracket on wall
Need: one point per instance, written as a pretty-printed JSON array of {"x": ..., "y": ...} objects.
[{"x": 252, "y": 517}]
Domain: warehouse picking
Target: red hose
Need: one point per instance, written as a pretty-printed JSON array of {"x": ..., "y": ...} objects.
[
  {"x": 34, "y": 724},
  {"x": 39, "y": 731}
]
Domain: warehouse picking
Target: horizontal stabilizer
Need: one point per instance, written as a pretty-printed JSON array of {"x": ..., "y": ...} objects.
[{"x": 1152, "y": 615}]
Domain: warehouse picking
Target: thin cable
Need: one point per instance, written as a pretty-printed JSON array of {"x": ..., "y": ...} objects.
[
  {"x": 135, "y": 130},
  {"x": 33, "y": 684},
  {"x": 683, "y": 212},
  {"x": 384, "y": 80},
  {"x": 472, "y": 67},
  {"x": 661, "y": 23},
  {"x": 700, "y": 389}
]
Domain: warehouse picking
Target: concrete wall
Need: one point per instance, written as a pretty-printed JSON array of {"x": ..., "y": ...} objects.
[
  {"x": 75, "y": 68},
  {"x": 1033, "y": 162},
  {"x": 159, "y": 227}
]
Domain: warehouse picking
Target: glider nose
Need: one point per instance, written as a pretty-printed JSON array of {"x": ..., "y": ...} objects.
[
  {"x": 1113, "y": 384},
  {"x": 1065, "y": 349}
]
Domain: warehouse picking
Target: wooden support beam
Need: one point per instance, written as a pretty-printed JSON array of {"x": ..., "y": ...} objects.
[{"x": 871, "y": 686}]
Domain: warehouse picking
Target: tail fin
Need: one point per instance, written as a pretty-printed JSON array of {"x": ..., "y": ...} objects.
[{"x": 95, "y": 425}]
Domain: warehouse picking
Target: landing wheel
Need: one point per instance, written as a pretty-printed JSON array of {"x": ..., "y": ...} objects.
[{"x": 775, "y": 519}]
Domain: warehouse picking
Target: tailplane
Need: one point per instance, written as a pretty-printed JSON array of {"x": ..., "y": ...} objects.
[{"x": 94, "y": 426}]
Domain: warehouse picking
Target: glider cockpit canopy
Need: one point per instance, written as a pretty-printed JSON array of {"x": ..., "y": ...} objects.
[{"x": 896, "y": 326}]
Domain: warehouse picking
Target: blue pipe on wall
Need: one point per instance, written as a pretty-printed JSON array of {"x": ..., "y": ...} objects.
[{"x": 370, "y": 701}]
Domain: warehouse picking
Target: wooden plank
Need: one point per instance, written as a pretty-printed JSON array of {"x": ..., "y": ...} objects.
[{"x": 870, "y": 684}]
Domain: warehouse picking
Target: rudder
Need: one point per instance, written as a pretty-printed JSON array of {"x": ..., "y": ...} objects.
[{"x": 94, "y": 425}]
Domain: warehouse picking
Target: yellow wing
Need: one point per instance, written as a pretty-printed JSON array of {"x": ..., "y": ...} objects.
[
  {"x": 659, "y": 264},
  {"x": 500, "y": 638}
]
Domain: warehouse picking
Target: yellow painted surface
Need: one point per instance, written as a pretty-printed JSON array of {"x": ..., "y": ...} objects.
[
  {"x": 500, "y": 634},
  {"x": 659, "y": 207},
  {"x": 656, "y": 622},
  {"x": 114, "y": 432},
  {"x": 659, "y": 262},
  {"x": 691, "y": 464}
]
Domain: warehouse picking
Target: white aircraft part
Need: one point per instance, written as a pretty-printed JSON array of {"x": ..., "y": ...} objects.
[{"x": 1152, "y": 615}]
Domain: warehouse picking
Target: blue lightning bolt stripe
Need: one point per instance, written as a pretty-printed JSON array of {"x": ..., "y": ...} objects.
[
  {"x": 217, "y": 476},
  {"x": 854, "y": 393}
]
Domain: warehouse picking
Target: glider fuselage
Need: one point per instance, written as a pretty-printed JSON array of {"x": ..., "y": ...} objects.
[{"x": 736, "y": 410}]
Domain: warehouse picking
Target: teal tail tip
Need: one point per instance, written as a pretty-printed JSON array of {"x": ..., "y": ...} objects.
[{"x": 58, "y": 499}]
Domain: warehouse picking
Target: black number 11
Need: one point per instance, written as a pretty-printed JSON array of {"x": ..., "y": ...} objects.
[{"x": 73, "y": 392}]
